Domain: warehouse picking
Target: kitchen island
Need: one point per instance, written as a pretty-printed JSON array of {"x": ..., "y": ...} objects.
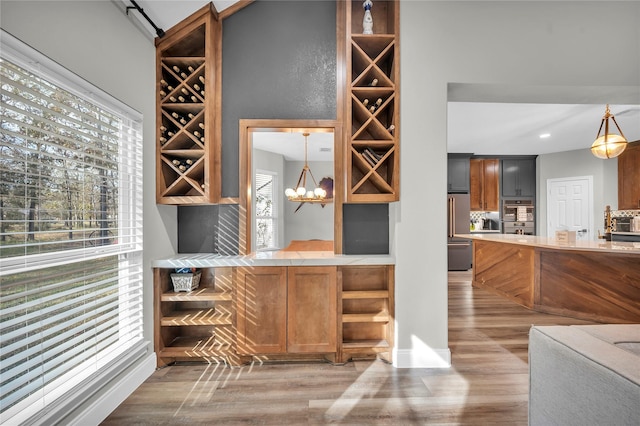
[{"x": 592, "y": 280}]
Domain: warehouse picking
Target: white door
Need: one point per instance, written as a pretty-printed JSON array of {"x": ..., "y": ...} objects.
[{"x": 570, "y": 206}]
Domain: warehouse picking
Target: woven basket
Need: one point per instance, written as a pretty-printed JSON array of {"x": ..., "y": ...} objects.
[{"x": 185, "y": 282}]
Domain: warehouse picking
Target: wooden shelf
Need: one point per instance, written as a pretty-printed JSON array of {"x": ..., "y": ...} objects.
[
  {"x": 372, "y": 103},
  {"x": 197, "y": 317},
  {"x": 196, "y": 347},
  {"x": 373, "y": 294},
  {"x": 199, "y": 294},
  {"x": 187, "y": 112},
  {"x": 358, "y": 345},
  {"x": 371, "y": 317}
]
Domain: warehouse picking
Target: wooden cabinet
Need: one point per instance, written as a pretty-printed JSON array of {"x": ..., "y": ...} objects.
[
  {"x": 367, "y": 311},
  {"x": 458, "y": 173},
  {"x": 372, "y": 102},
  {"x": 187, "y": 115},
  {"x": 629, "y": 177},
  {"x": 312, "y": 309},
  {"x": 484, "y": 180},
  {"x": 287, "y": 310},
  {"x": 518, "y": 177},
  {"x": 331, "y": 312},
  {"x": 199, "y": 324},
  {"x": 262, "y": 310}
]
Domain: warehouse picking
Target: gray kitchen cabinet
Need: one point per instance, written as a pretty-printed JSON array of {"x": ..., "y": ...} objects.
[
  {"x": 518, "y": 177},
  {"x": 458, "y": 173}
]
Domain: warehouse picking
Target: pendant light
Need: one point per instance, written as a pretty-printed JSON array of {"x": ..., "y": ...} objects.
[
  {"x": 609, "y": 145},
  {"x": 300, "y": 193}
]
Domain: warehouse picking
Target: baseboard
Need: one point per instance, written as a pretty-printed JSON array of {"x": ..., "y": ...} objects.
[
  {"x": 424, "y": 358},
  {"x": 99, "y": 408}
]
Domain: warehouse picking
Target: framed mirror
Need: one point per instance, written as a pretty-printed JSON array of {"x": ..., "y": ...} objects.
[{"x": 276, "y": 155}]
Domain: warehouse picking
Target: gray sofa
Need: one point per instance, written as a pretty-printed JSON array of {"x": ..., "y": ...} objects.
[{"x": 584, "y": 375}]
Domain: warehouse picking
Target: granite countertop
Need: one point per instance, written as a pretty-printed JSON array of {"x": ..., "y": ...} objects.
[
  {"x": 548, "y": 242},
  {"x": 271, "y": 258}
]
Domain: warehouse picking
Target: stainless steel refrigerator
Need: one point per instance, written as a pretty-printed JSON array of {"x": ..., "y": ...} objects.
[{"x": 458, "y": 221}]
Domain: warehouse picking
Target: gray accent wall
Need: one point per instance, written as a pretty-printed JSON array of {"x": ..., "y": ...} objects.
[{"x": 278, "y": 62}]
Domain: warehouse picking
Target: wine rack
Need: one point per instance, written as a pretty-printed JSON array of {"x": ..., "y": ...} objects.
[
  {"x": 187, "y": 117},
  {"x": 372, "y": 103}
]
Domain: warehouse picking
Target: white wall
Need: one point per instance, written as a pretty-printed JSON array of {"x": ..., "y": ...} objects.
[
  {"x": 574, "y": 164},
  {"x": 312, "y": 221},
  {"x": 506, "y": 43},
  {"x": 97, "y": 41}
]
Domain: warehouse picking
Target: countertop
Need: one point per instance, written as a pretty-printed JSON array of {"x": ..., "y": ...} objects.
[
  {"x": 552, "y": 243},
  {"x": 272, "y": 258}
]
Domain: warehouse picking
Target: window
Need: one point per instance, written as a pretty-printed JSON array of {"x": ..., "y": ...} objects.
[
  {"x": 70, "y": 234},
  {"x": 266, "y": 211}
]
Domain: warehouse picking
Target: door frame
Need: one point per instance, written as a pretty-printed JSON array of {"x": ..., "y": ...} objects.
[{"x": 589, "y": 180}]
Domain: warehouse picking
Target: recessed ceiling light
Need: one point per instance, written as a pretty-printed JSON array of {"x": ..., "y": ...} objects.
[{"x": 545, "y": 135}]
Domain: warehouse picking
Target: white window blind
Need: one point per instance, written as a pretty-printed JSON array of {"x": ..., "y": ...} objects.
[
  {"x": 266, "y": 211},
  {"x": 70, "y": 232}
]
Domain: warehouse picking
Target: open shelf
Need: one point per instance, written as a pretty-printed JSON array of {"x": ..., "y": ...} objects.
[
  {"x": 372, "y": 103},
  {"x": 367, "y": 310},
  {"x": 186, "y": 117}
]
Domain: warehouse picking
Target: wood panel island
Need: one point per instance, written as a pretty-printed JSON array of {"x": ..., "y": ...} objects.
[
  {"x": 280, "y": 305},
  {"x": 591, "y": 280}
]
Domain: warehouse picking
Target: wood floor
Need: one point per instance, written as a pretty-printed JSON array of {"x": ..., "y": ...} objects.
[{"x": 487, "y": 383}]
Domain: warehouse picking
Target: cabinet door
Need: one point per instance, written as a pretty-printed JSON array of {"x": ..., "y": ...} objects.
[
  {"x": 458, "y": 174},
  {"x": 491, "y": 185},
  {"x": 629, "y": 178},
  {"x": 312, "y": 309},
  {"x": 527, "y": 178},
  {"x": 476, "y": 199},
  {"x": 510, "y": 171},
  {"x": 262, "y": 310}
]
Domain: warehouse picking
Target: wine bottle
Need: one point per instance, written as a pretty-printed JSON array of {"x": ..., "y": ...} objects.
[
  {"x": 189, "y": 161},
  {"x": 185, "y": 91},
  {"x": 196, "y": 86},
  {"x": 170, "y": 134},
  {"x": 372, "y": 109},
  {"x": 175, "y": 162},
  {"x": 163, "y": 140},
  {"x": 173, "y": 99},
  {"x": 201, "y": 125},
  {"x": 163, "y": 93},
  {"x": 190, "y": 68},
  {"x": 202, "y": 139},
  {"x": 191, "y": 116},
  {"x": 365, "y": 102},
  {"x": 374, "y": 82},
  {"x": 391, "y": 128},
  {"x": 163, "y": 129},
  {"x": 163, "y": 83},
  {"x": 196, "y": 133},
  {"x": 170, "y": 88},
  {"x": 182, "y": 167},
  {"x": 202, "y": 93},
  {"x": 194, "y": 99},
  {"x": 201, "y": 78},
  {"x": 175, "y": 115},
  {"x": 176, "y": 69},
  {"x": 183, "y": 121},
  {"x": 181, "y": 98},
  {"x": 378, "y": 102}
]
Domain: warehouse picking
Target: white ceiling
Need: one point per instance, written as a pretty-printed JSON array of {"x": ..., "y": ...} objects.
[{"x": 481, "y": 119}]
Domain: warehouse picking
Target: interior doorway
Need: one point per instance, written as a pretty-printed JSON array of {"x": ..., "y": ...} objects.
[{"x": 570, "y": 206}]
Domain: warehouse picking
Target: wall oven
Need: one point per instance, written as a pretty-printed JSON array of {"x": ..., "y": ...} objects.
[{"x": 518, "y": 216}]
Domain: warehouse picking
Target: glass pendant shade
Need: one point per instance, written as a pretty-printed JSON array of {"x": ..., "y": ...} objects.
[{"x": 609, "y": 145}]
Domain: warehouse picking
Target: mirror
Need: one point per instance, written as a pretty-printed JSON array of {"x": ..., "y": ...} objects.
[{"x": 274, "y": 157}]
